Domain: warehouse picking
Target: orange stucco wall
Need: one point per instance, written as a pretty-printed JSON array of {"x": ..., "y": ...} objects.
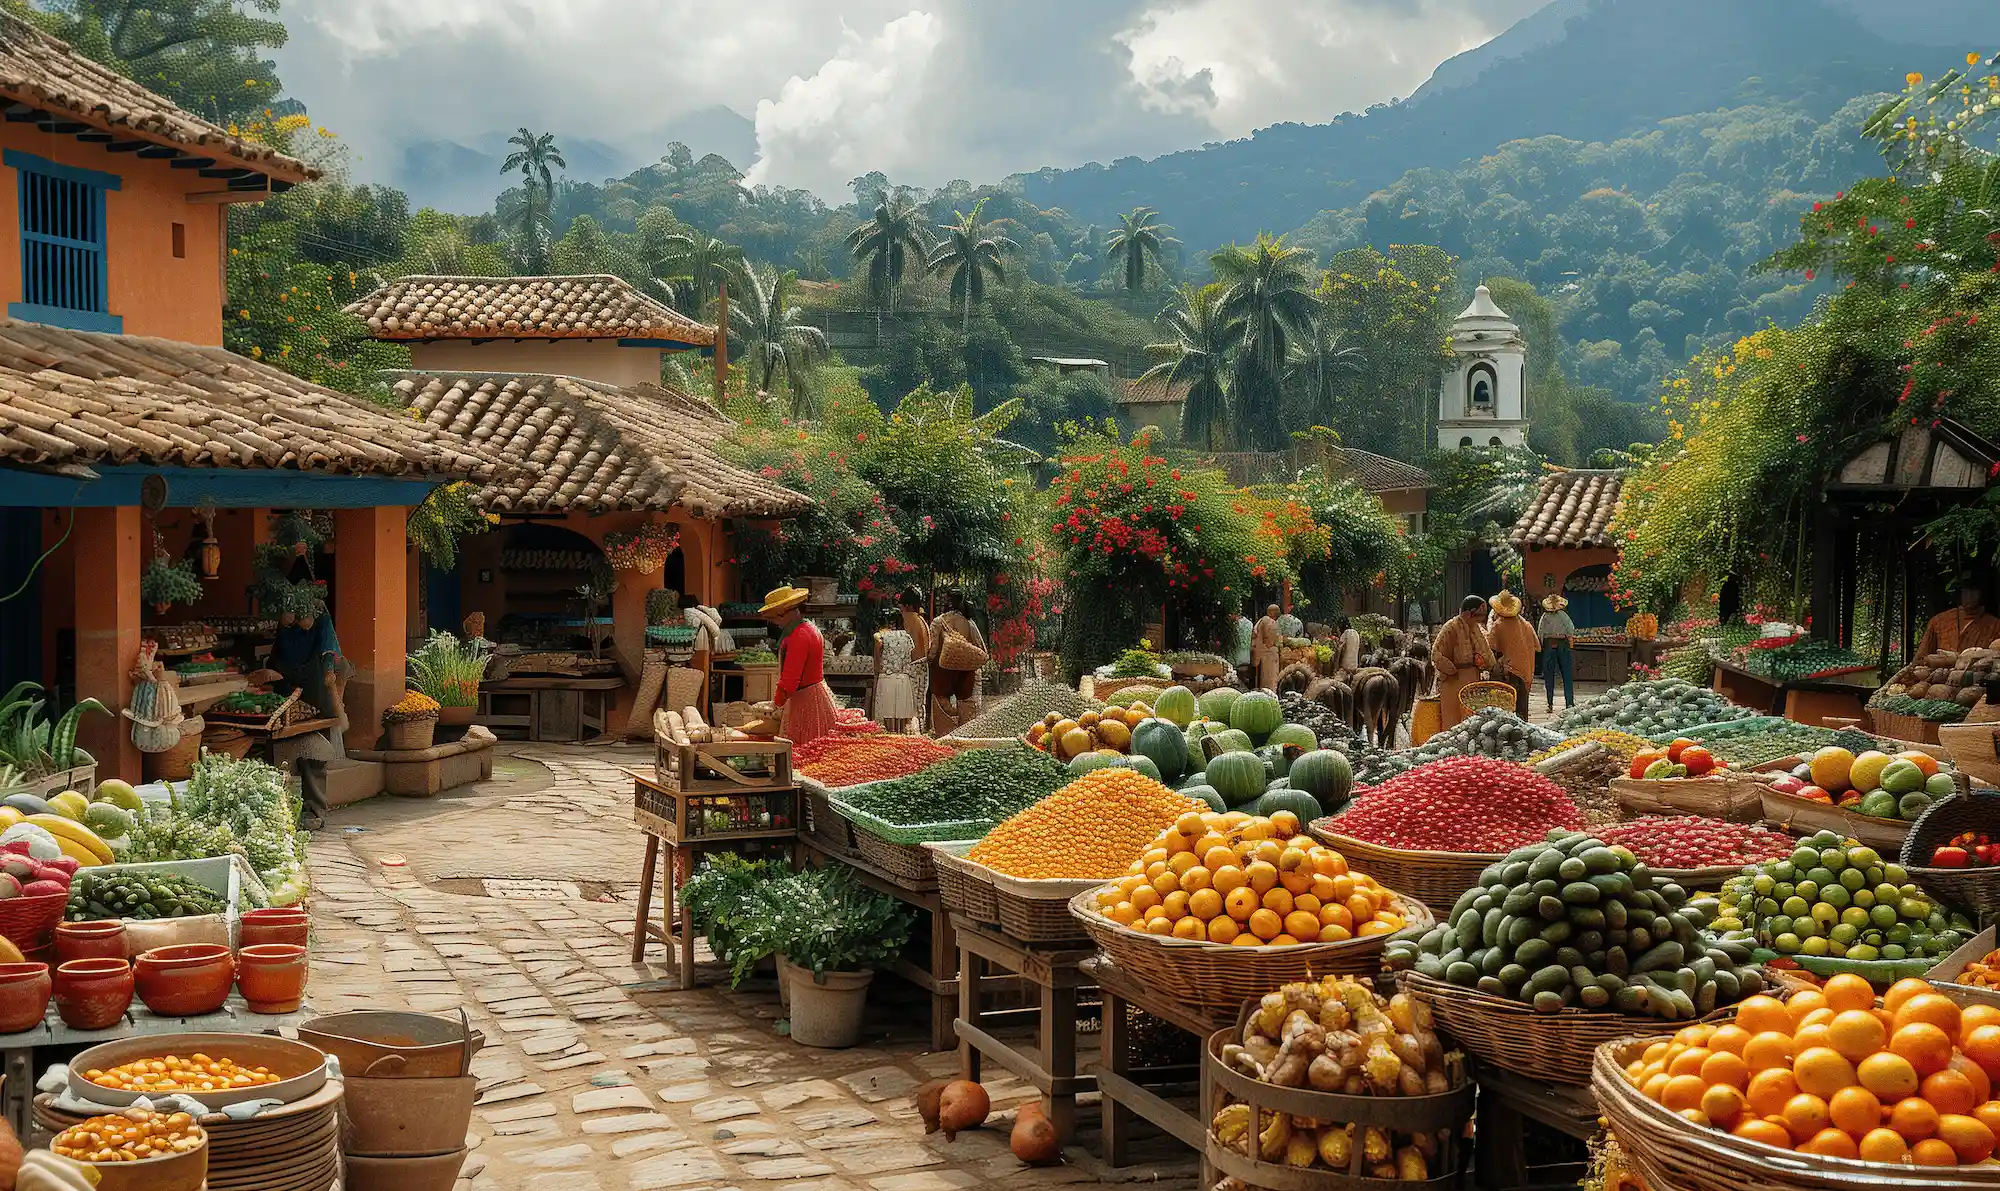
[
  {"x": 155, "y": 292},
  {"x": 1543, "y": 571}
]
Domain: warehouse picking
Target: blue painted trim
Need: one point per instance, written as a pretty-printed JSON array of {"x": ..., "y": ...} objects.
[
  {"x": 118, "y": 487},
  {"x": 75, "y": 320},
  {"x": 673, "y": 345},
  {"x": 55, "y": 169}
]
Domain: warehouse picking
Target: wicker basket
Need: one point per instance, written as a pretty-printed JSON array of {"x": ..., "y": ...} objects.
[
  {"x": 1474, "y": 697},
  {"x": 1802, "y": 816},
  {"x": 1037, "y": 911},
  {"x": 959, "y": 654},
  {"x": 909, "y": 864},
  {"x": 826, "y": 825},
  {"x": 1673, "y": 1154},
  {"x": 177, "y": 763},
  {"x": 1511, "y": 1035},
  {"x": 1219, "y": 975},
  {"x": 1903, "y": 727},
  {"x": 232, "y": 742},
  {"x": 1694, "y": 879},
  {"x": 411, "y": 735},
  {"x": 1975, "y": 749},
  {"x": 1729, "y": 797},
  {"x": 965, "y": 886},
  {"x": 1434, "y": 878},
  {"x": 1975, "y": 889},
  {"x": 30, "y": 922}
]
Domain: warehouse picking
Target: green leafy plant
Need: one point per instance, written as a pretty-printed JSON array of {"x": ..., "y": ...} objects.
[
  {"x": 168, "y": 582},
  {"x": 448, "y": 669},
  {"x": 821, "y": 919},
  {"x": 756, "y": 657},
  {"x": 663, "y": 606},
  {"x": 445, "y": 516},
  {"x": 1137, "y": 662},
  {"x": 32, "y": 744}
]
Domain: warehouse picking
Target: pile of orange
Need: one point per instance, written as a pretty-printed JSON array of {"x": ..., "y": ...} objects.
[
  {"x": 1834, "y": 1072},
  {"x": 1250, "y": 881}
]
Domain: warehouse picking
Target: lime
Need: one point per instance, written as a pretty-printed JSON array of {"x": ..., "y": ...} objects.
[
  {"x": 1797, "y": 907},
  {"x": 1846, "y": 932},
  {"x": 1852, "y": 879},
  {"x": 1834, "y": 895},
  {"x": 1786, "y": 944},
  {"x": 1883, "y": 915},
  {"x": 1764, "y": 883},
  {"x": 1861, "y": 951},
  {"x": 1814, "y": 946}
]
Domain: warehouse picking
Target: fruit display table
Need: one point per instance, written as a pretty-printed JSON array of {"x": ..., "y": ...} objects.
[
  {"x": 1056, "y": 975},
  {"x": 940, "y": 977},
  {"x": 1807, "y": 700},
  {"x": 554, "y": 710},
  {"x": 1122, "y": 1096}
]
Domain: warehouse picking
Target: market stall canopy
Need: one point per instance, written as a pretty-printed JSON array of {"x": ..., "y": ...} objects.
[
  {"x": 46, "y": 82},
  {"x": 79, "y": 399},
  {"x": 1571, "y": 509},
  {"x": 584, "y": 446},
  {"x": 595, "y": 306}
]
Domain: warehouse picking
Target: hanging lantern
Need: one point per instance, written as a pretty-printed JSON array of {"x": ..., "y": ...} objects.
[{"x": 206, "y": 550}]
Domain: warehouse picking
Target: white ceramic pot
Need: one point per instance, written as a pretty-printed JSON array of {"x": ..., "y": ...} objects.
[{"x": 826, "y": 1011}]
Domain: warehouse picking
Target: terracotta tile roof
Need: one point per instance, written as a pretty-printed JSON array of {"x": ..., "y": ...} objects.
[
  {"x": 592, "y": 447},
  {"x": 1378, "y": 473},
  {"x": 582, "y": 307},
  {"x": 81, "y": 398},
  {"x": 1140, "y": 391},
  {"x": 1572, "y": 508},
  {"x": 43, "y": 72}
]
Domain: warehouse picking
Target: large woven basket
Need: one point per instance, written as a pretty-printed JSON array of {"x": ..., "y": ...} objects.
[
  {"x": 30, "y": 922},
  {"x": 1802, "y": 816},
  {"x": 965, "y": 886},
  {"x": 1903, "y": 727},
  {"x": 1976, "y": 889},
  {"x": 959, "y": 654},
  {"x": 1511, "y": 1035},
  {"x": 1434, "y": 878},
  {"x": 1730, "y": 797},
  {"x": 1037, "y": 911},
  {"x": 1426, "y": 720},
  {"x": 909, "y": 864},
  {"x": 827, "y": 826},
  {"x": 1218, "y": 975},
  {"x": 1477, "y": 696},
  {"x": 1674, "y": 1154}
]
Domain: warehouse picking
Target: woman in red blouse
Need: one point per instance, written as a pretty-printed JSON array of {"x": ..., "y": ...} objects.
[{"x": 802, "y": 698}]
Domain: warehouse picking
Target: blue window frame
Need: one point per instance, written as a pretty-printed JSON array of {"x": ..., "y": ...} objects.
[{"x": 64, "y": 262}]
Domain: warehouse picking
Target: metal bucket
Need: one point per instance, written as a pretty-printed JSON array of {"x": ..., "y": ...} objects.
[{"x": 384, "y": 1044}]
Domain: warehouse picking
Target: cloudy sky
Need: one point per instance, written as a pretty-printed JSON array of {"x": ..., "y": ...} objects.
[{"x": 923, "y": 90}]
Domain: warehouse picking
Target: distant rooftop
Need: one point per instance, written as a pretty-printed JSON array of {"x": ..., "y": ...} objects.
[
  {"x": 1069, "y": 362},
  {"x": 589, "y": 306}
]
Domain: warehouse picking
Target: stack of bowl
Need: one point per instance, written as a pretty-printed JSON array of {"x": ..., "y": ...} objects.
[{"x": 409, "y": 1097}]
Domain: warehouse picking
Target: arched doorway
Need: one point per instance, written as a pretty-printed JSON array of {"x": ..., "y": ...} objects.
[
  {"x": 1586, "y": 590},
  {"x": 542, "y": 567}
]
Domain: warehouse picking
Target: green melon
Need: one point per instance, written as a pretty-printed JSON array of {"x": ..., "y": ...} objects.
[
  {"x": 1277, "y": 758},
  {"x": 1298, "y": 802},
  {"x": 1176, "y": 703},
  {"x": 1297, "y": 734},
  {"x": 1238, "y": 777},
  {"x": 1326, "y": 775},
  {"x": 1207, "y": 794},
  {"x": 1142, "y": 764},
  {"x": 1215, "y": 704},
  {"x": 1161, "y": 742},
  {"x": 1083, "y": 763},
  {"x": 1134, "y": 694},
  {"x": 1256, "y": 713}
]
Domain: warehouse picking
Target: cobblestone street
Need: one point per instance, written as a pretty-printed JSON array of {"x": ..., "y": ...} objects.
[{"x": 597, "y": 1073}]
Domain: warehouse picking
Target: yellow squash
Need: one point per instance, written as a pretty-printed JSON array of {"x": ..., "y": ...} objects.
[{"x": 76, "y": 840}]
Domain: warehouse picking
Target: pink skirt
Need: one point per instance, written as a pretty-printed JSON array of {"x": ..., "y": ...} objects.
[{"x": 809, "y": 715}]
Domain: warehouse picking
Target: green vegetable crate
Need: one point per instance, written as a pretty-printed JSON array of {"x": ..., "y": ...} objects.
[{"x": 229, "y": 877}]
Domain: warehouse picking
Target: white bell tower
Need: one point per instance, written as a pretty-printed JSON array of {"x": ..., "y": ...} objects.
[{"x": 1484, "y": 400}]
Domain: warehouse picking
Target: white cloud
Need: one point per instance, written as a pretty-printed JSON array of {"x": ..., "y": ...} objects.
[{"x": 859, "y": 111}]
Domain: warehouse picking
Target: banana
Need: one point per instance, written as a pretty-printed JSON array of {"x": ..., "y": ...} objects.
[{"x": 88, "y": 849}]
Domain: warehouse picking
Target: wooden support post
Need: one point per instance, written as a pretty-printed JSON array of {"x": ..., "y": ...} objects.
[
  {"x": 107, "y": 555},
  {"x": 370, "y": 611},
  {"x": 1115, "y": 1056}
]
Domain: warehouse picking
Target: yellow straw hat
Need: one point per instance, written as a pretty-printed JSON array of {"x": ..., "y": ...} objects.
[
  {"x": 1553, "y": 603},
  {"x": 1507, "y": 604},
  {"x": 782, "y": 599}
]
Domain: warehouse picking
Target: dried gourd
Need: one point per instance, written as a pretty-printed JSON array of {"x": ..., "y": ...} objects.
[
  {"x": 1271, "y": 1139},
  {"x": 1336, "y": 1146},
  {"x": 1231, "y": 1127}
]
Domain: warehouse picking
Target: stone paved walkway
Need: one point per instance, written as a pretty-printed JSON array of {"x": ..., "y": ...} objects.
[{"x": 598, "y": 1074}]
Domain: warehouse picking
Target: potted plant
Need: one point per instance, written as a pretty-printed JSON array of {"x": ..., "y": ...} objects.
[
  {"x": 644, "y": 549},
  {"x": 411, "y": 722},
  {"x": 448, "y": 670},
  {"x": 831, "y": 933},
  {"x": 167, "y": 582}
]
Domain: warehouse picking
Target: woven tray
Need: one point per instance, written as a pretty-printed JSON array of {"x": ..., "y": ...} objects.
[
  {"x": 1693, "y": 879},
  {"x": 1802, "y": 816},
  {"x": 1434, "y": 878},
  {"x": 1673, "y": 1154},
  {"x": 1730, "y": 798},
  {"x": 1975, "y": 889},
  {"x": 826, "y": 825},
  {"x": 909, "y": 864},
  {"x": 1558, "y": 1047},
  {"x": 1218, "y": 975},
  {"x": 965, "y": 886},
  {"x": 1037, "y": 911},
  {"x": 1903, "y": 727},
  {"x": 905, "y": 833}
]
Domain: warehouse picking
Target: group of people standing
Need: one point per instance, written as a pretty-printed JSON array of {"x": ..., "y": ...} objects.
[{"x": 1493, "y": 639}]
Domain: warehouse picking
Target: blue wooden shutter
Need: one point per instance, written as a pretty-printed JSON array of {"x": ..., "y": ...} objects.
[{"x": 64, "y": 259}]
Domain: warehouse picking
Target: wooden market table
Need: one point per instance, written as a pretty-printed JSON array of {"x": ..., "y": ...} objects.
[
  {"x": 1602, "y": 661},
  {"x": 663, "y": 833},
  {"x": 940, "y": 978},
  {"x": 1507, "y": 1102},
  {"x": 552, "y": 708},
  {"x": 1122, "y": 1098},
  {"x": 1057, "y": 975},
  {"x": 1807, "y": 700}
]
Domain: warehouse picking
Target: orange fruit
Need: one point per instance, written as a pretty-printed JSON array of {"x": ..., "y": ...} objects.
[
  {"x": 1922, "y": 760},
  {"x": 1218, "y": 856},
  {"x": 1866, "y": 772},
  {"x": 1689, "y": 1061},
  {"x": 1914, "y": 1118},
  {"x": 1890, "y": 1077},
  {"x": 1822, "y": 1071},
  {"x": 1950, "y": 1092},
  {"x": 1884, "y": 1145},
  {"x": 1227, "y": 879},
  {"x": 1223, "y": 929},
  {"x": 1818, "y": 1017},
  {"x": 1682, "y": 1092},
  {"x": 1830, "y": 768},
  {"x": 1903, "y": 990},
  {"x": 1694, "y": 1035},
  {"x": 1769, "y": 1090},
  {"x": 1205, "y": 904},
  {"x": 1763, "y": 1015},
  {"x": 1278, "y": 901},
  {"x": 1981, "y": 1044},
  {"x": 1656, "y": 1085},
  {"x": 1302, "y": 925},
  {"x": 1266, "y": 924},
  {"x": 1803, "y": 1003},
  {"x": 1722, "y": 1069},
  {"x": 1175, "y": 904},
  {"x": 1971, "y": 1017},
  {"x": 1927, "y": 1047},
  {"x": 1809, "y": 1036},
  {"x": 1856, "y": 1033},
  {"x": 1262, "y": 874},
  {"x": 1722, "y": 1105},
  {"x": 1848, "y": 991},
  {"x": 1757, "y": 1129},
  {"x": 1241, "y": 903},
  {"x": 1935, "y": 1008},
  {"x": 1829, "y": 1143},
  {"x": 1769, "y": 1049},
  {"x": 1190, "y": 928},
  {"x": 1805, "y": 1115},
  {"x": 1162, "y": 925},
  {"x": 1932, "y": 1152},
  {"x": 1982, "y": 1083},
  {"x": 1968, "y": 1137},
  {"x": 1730, "y": 1038},
  {"x": 1855, "y": 1110},
  {"x": 1989, "y": 1115}
]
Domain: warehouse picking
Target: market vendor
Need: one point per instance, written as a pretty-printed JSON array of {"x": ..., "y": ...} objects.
[
  {"x": 308, "y": 660},
  {"x": 1460, "y": 653},
  {"x": 954, "y": 681},
  {"x": 1555, "y": 629},
  {"x": 1264, "y": 638},
  {"x": 1515, "y": 644},
  {"x": 1968, "y": 626},
  {"x": 803, "y": 701}
]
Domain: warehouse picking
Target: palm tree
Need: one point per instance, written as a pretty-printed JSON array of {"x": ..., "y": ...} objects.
[
  {"x": 1270, "y": 297},
  {"x": 1318, "y": 357},
  {"x": 766, "y": 323},
  {"x": 536, "y": 158},
  {"x": 1198, "y": 357},
  {"x": 1137, "y": 239},
  {"x": 887, "y": 242},
  {"x": 968, "y": 254},
  {"x": 694, "y": 266},
  {"x": 537, "y": 153}
]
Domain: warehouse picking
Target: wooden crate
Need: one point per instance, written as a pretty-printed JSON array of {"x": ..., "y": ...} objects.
[
  {"x": 724, "y": 766},
  {"x": 683, "y": 816}
]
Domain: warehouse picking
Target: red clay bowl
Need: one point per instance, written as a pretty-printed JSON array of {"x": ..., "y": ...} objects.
[
  {"x": 185, "y": 980},
  {"x": 93, "y": 994},
  {"x": 273, "y": 925},
  {"x": 272, "y": 976},
  {"x": 90, "y": 940},
  {"x": 24, "y": 996}
]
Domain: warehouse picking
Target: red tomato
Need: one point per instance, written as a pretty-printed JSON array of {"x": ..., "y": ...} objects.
[
  {"x": 1698, "y": 760},
  {"x": 1680, "y": 745}
]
